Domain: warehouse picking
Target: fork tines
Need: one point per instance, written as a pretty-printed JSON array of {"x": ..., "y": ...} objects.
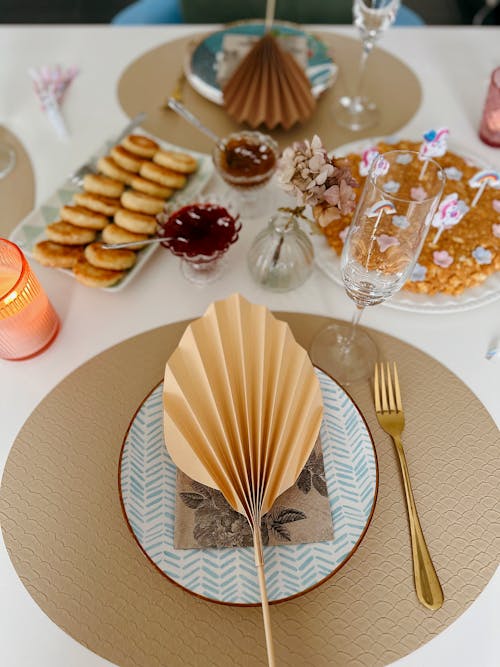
[{"x": 386, "y": 388}]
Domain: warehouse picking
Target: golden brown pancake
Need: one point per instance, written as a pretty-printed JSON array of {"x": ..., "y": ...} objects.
[
  {"x": 97, "y": 203},
  {"x": 57, "y": 255},
  {"x": 138, "y": 201},
  {"x": 115, "y": 260},
  {"x": 162, "y": 175},
  {"x": 92, "y": 276},
  {"x": 102, "y": 185},
  {"x": 68, "y": 234},
  {"x": 138, "y": 223},
  {"x": 182, "y": 162},
  {"x": 125, "y": 159},
  {"x": 151, "y": 188},
  {"x": 109, "y": 168},
  {"x": 140, "y": 145},
  {"x": 82, "y": 217}
]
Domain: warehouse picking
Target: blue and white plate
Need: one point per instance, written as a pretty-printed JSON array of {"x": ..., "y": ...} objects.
[
  {"x": 201, "y": 65},
  {"x": 148, "y": 484}
]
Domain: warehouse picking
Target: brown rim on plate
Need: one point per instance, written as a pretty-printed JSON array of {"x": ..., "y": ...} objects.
[{"x": 251, "y": 604}]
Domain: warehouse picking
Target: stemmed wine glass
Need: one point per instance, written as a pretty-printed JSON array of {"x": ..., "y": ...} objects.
[
  {"x": 372, "y": 18},
  {"x": 380, "y": 251}
]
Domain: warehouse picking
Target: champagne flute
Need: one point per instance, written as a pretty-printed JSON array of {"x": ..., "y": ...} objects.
[
  {"x": 372, "y": 18},
  {"x": 382, "y": 246}
]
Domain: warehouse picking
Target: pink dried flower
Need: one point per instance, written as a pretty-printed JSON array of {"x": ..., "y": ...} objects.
[{"x": 306, "y": 172}]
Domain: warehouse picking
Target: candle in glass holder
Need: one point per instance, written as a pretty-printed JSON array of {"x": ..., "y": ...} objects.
[
  {"x": 489, "y": 131},
  {"x": 28, "y": 322}
]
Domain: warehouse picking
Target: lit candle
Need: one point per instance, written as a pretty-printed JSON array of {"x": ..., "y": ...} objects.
[{"x": 28, "y": 322}]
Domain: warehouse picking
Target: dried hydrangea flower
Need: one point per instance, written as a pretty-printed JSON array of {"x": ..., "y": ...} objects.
[{"x": 306, "y": 172}]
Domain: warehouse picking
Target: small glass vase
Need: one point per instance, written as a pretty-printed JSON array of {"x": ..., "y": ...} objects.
[{"x": 281, "y": 256}]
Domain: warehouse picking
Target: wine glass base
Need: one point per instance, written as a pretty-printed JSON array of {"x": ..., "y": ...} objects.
[
  {"x": 202, "y": 273},
  {"x": 355, "y": 113},
  {"x": 345, "y": 361},
  {"x": 7, "y": 159}
]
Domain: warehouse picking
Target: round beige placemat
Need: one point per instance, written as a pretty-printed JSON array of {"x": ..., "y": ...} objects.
[
  {"x": 17, "y": 189},
  {"x": 70, "y": 544},
  {"x": 147, "y": 81}
]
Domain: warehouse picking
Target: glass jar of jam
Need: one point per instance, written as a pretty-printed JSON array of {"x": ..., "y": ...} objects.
[{"x": 246, "y": 160}]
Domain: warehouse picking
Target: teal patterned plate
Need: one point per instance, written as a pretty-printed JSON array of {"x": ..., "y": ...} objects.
[
  {"x": 201, "y": 65},
  {"x": 147, "y": 481},
  {"x": 31, "y": 230}
]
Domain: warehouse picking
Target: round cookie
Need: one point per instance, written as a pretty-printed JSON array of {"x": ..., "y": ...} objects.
[
  {"x": 68, "y": 234},
  {"x": 57, "y": 255},
  {"x": 92, "y": 276},
  {"x": 97, "y": 203},
  {"x": 115, "y": 260},
  {"x": 125, "y": 159},
  {"x": 151, "y": 188},
  {"x": 138, "y": 201},
  {"x": 182, "y": 162},
  {"x": 102, "y": 185},
  {"x": 162, "y": 175},
  {"x": 138, "y": 223},
  {"x": 82, "y": 217},
  {"x": 109, "y": 168},
  {"x": 140, "y": 145},
  {"x": 115, "y": 234}
]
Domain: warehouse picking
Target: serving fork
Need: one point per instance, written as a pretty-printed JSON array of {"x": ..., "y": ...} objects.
[
  {"x": 91, "y": 165},
  {"x": 390, "y": 415}
]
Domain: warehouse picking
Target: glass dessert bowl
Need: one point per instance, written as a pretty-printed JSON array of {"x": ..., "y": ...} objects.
[
  {"x": 200, "y": 234},
  {"x": 246, "y": 161}
]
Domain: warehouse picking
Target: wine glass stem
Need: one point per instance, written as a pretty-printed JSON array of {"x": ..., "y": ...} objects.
[
  {"x": 367, "y": 49},
  {"x": 346, "y": 343}
]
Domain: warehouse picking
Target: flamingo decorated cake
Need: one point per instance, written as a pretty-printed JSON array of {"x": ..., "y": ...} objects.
[{"x": 463, "y": 244}]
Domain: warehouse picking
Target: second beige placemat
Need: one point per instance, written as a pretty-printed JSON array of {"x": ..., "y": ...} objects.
[
  {"x": 17, "y": 189},
  {"x": 70, "y": 545},
  {"x": 146, "y": 82}
]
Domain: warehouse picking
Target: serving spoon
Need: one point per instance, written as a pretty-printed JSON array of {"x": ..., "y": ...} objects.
[{"x": 180, "y": 109}]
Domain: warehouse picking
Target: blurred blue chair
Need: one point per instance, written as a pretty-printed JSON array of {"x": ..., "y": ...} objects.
[{"x": 145, "y": 12}]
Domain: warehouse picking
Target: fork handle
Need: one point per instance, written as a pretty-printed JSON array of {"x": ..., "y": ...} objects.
[{"x": 427, "y": 585}]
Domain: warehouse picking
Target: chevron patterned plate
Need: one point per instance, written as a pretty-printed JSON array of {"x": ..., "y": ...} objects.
[
  {"x": 31, "y": 230},
  {"x": 147, "y": 487}
]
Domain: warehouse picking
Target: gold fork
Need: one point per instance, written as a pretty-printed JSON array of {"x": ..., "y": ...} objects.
[
  {"x": 177, "y": 91},
  {"x": 390, "y": 415}
]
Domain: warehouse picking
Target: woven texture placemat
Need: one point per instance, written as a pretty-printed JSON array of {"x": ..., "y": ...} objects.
[
  {"x": 146, "y": 82},
  {"x": 17, "y": 189},
  {"x": 70, "y": 545}
]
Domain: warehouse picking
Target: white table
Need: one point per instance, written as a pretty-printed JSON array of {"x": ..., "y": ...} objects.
[{"x": 453, "y": 65}]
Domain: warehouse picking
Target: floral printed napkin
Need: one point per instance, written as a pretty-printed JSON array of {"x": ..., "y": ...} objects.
[{"x": 204, "y": 519}]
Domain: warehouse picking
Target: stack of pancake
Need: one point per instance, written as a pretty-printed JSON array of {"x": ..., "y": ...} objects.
[{"x": 117, "y": 205}]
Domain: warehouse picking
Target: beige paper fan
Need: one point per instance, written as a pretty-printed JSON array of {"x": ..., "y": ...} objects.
[
  {"x": 269, "y": 87},
  {"x": 242, "y": 411}
]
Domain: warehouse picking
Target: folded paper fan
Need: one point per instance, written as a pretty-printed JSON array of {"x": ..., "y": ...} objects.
[
  {"x": 242, "y": 411},
  {"x": 269, "y": 87}
]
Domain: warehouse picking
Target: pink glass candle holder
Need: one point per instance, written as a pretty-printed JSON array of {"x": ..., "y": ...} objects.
[
  {"x": 28, "y": 322},
  {"x": 489, "y": 131}
]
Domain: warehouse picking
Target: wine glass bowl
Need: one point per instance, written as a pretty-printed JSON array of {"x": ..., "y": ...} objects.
[
  {"x": 381, "y": 248},
  {"x": 372, "y": 18}
]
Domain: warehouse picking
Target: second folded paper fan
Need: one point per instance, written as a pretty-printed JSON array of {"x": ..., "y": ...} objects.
[
  {"x": 242, "y": 411},
  {"x": 269, "y": 88}
]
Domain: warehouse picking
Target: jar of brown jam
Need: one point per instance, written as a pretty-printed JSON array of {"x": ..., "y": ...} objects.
[{"x": 247, "y": 159}]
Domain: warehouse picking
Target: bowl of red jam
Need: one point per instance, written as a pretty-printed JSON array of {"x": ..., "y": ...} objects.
[
  {"x": 200, "y": 234},
  {"x": 246, "y": 160}
]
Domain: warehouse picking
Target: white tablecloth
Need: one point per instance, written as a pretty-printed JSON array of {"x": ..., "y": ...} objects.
[{"x": 453, "y": 64}]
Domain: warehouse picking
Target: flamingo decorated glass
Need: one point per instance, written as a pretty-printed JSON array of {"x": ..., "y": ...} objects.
[{"x": 382, "y": 246}]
